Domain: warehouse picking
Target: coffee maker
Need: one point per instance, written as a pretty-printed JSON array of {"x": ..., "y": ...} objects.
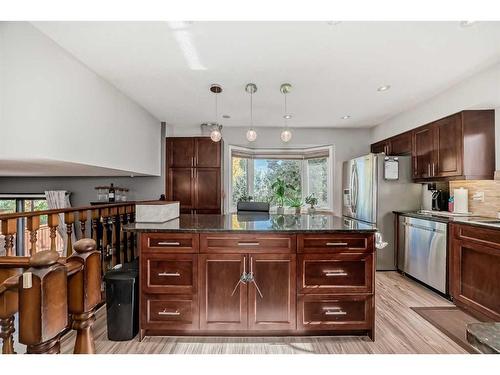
[{"x": 440, "y": 200}]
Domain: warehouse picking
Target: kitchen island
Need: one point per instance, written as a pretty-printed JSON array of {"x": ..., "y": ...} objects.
[{"x": 256, "y": 274}]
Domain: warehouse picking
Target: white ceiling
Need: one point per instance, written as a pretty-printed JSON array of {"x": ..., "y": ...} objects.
[{"x": 335, "y": 68}]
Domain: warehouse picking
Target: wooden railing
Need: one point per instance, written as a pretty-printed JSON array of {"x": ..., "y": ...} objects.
[
  {"x": 48, "y": 293},
  {"x": 103, "y": 223}
]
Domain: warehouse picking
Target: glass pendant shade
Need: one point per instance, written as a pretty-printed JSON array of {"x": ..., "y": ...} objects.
[
  {"x": 251, "y": 135},
  {"x": 215, "y": 135},
  {"x": 286, "y": 135}
]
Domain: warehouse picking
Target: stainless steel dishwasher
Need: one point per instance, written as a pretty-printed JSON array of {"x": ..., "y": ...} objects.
[{"x": 424, "y": 246}]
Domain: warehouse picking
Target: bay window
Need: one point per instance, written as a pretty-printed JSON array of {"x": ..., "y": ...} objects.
[{"x": 306, "y": 171}]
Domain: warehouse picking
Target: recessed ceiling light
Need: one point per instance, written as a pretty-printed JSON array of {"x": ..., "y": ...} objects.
[
  {"x": 384, "y": 88},
  {"x": 333, "y": 23},
  {"x": 288, "y": 117},
  {"x": 467, "y": 23},
  {"x": 226, "y": 116},
  {"x": 346, "y": 117}
]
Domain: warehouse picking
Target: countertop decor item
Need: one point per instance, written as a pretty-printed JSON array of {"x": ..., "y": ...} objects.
[
  {"x": 156, "y": 211},
  {"x": 461, "y": 201}
]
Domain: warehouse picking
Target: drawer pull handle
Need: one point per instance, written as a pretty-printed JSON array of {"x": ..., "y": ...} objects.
[
  {"x": 336, "y": 244},
  {"x": 331, "y": 273},
  {"x": 169, "y": 243},
  {"x": 172, "y": 274},
  {"x": 248, "y": 243},
  {"x": 169, "y": 313},
  {"x": 338, "y": 312}
]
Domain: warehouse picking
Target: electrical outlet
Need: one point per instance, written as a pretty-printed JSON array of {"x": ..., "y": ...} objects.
[{"x": 478, "y": 197}]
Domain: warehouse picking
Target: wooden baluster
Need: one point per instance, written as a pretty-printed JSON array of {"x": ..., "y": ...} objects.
[
  {"x": 84, "y": 293},
  {"x": 9, "y": 229},
  {"x": 82, "y": 218},
  {"x": 115, "y": 255},
  {"x": 8, "y": 308},
  {"x": 69, "y": 219},
  {"x": 123, "y": 239},
  {"x": 43, "y": 303},
  {"x": 105, "y": 242},
  {"x": 95, "y": 227},
  {"x": 53, "y": 222},
  {"x": 33, "y": 224}
]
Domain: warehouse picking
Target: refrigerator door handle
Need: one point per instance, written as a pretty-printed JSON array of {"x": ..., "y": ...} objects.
[{"x": 355, "y": 187}]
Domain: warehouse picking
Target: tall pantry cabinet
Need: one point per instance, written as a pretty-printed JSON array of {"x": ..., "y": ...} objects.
[{"x": 194, "y": 174}]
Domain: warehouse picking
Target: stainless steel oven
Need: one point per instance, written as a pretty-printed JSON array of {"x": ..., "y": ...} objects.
[{"x": 423, "y": 245}]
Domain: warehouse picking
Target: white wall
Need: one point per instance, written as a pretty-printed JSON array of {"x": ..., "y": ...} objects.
[
  {"x": 481, "y": 91},
  {"x": 347, "y": 143},
  {"x": 54, "y": 107}
]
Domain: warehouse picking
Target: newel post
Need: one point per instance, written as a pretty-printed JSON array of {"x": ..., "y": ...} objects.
[
  {"x": 8, "y": 308},
  {"x": 84, "y": 293},
  {"x": 43, "y": 304}
]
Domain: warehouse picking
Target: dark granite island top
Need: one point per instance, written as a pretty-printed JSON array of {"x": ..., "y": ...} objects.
[{"x": 250, "y": 222}]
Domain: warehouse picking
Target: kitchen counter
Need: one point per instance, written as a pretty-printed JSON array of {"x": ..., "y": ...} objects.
[
  {"x": 478, "y": 221},
  {"x": 256, "y": 275},
  {"x": 251, "y": 222}
]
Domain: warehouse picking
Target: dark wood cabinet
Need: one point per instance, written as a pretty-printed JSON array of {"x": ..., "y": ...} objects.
[
  {"x": 194, "y": 174},
  {"x": 397, "y": 145},
  {"x": 460, "y": 146},
  {"x": 223, "y": 302},
  {"x": 475, "y": 270},
  {"x": 423, "y": 152},
  {"x": 181, "y": 187},
  {"x": 274, "y": 276},
  {"x": 220, "y": 283},
  {"x": 207, "y": 194}
]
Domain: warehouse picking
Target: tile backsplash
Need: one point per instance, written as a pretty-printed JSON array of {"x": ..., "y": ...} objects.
[{"x": 491, "y": 189}]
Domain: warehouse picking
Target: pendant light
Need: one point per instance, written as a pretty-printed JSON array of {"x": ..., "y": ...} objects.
[
  {"x": 215, "y": 133},
  {"x": 251, "y": 88},
  {"x": 286, "y": 134}
]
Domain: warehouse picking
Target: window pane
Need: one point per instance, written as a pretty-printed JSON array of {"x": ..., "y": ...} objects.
[
  {"x": 266, "y": 172},
  {"x": 318, "y": 180},
  {"x": 239, "y": 179},
  {"x": 7, "y": 206}
]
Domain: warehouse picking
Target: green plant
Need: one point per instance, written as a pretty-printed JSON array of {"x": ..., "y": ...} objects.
[
  {"x": 279, "y": 188},
  {"x": 294, "y": 202},
  {"x": 311, "y": 200}
]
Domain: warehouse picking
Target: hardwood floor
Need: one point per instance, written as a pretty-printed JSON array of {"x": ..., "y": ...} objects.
[{"x": 398, "y": 330}]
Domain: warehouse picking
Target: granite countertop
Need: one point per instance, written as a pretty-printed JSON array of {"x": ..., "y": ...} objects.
[
  {"x": 252, "y": 222},
  {"x": 485, "y": 336},
  {"x": 469, "y": 220}
]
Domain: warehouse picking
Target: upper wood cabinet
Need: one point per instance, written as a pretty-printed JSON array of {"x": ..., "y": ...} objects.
[
  {"x": 193, "y": 175},
  {"x": 398, "y": 145},
  {"x": 460, "y": 146}
]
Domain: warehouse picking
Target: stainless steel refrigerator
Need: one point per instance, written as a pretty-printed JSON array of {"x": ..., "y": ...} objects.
[{"x": 373, "y": 187}]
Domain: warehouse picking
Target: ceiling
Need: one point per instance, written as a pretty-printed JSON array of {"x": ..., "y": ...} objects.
[{"x": 335, "y": 68}]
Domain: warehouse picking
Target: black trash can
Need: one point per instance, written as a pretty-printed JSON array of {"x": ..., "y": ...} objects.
[{"x": 122, "y": 303}]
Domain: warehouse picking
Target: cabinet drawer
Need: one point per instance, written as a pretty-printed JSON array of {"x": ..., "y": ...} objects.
[
  {"x": 335, "y": 313},
  {"x": 169, "y": 273},
  {"x": 170, "y": 242},
  {"x": 336, "y": 273},
  {"x": 168, "y": 312},
  {"x": 319, "y": 243},
  {"x": 247, "y": 243},
  {"x": 481, "y": 235}
]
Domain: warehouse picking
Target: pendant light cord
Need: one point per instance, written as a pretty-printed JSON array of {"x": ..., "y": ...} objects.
[{"x": 251, "y": 109}]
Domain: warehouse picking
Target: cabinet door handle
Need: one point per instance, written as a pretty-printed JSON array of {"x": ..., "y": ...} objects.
[
  {"x": 172, "y": 274},
  {"x": 429, "y": 169},
  {"x": 331, "y": 273},
  {"x": 433, "y": 171},
  {"x": 336, "y": 244},
  {"x": 169, "y": 243},
  {"x": 339, "y": 312},
  {"x": 169, "y": 313},
  {"x": 248, "y": 243}
]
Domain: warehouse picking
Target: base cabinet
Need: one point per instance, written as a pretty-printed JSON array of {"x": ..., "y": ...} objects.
[
  {"x": 475, "y": 270},
  {"x": 256, "y": 284}
]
